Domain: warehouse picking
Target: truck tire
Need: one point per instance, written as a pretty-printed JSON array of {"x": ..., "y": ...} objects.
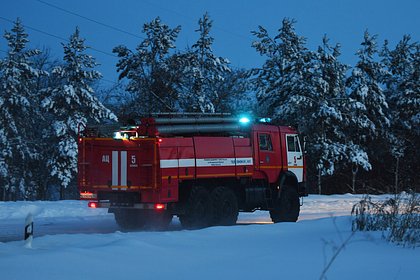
[
  {"x": 197, "y": 209},
  {"x": 130, "y": 219},
  {"x": 286, "y": 208},
  {"x": 224, "y": 207},
  {"x": 160, "y": 220}
]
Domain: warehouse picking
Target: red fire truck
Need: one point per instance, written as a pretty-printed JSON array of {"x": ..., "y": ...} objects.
[{"x": 204, "y": 169}]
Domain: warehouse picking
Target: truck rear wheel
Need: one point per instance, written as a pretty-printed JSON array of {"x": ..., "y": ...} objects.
[
  {"x": 286, "y": 207},
  {"x": 197, "y": 209},
  {"x": 130, "y": 218},
  {"x": 160, "y": 220},
  {"x": 224, "y": 206}
]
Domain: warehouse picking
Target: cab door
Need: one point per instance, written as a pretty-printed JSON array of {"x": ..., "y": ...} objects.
[
  {"x": 265, "y": 150},
  {"x": 294, "y": 156},
  {"x": 269, "y": 160}
]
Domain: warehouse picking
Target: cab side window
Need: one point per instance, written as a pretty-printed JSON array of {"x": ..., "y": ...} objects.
[
  {"x": 293, "y": 143},
  {"x": 265, "y": 142}
]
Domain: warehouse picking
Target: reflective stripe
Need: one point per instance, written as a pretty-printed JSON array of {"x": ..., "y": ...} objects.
[
  {"x": 123, "y": 168},
  {"x": 168, "y": 163},
  {"x": 204, "y": 162},
  {"x": 187, "y": 162},
  {"x": 115, "y": 168}
]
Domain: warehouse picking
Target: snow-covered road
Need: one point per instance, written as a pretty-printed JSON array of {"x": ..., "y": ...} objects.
[{"x": 68, "y": 217}]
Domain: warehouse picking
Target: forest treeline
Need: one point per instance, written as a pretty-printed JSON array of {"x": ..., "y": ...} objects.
[{"x": 361, "y": 123}]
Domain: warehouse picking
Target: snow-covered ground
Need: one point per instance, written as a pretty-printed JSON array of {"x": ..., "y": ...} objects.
[{"x": 75, "y": 242}]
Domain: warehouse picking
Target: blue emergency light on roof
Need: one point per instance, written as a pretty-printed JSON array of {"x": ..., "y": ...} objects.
[
  {"x": 265, "y": 120},
  {"x": 244, "y": 120}
]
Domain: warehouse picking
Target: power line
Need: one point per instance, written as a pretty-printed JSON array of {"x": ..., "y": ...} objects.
[
  {"x": 89, "y": 19},
  {"x": 57, "y": 37},
  {"x": 132, "y": 34},
  {"x": 63, "y": 39},
  {"x": 95, "y": 21}
]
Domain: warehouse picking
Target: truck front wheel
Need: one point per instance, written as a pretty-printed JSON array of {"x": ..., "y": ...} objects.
[{"x": 286, "y": 207}]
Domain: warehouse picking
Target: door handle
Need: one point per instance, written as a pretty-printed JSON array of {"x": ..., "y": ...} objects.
[{"x": 300, "y": 157}]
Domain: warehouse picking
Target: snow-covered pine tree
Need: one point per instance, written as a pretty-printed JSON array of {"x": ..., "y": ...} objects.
[
  {"x": 153, "y": 80},
  {"x": 18, "y": 103},
  {"x": 42, "y": 131},
  {"x": 402, "y": 89},
  {"x": 203, "y": 71},
  {"x": 326, "y": 129},
  {"x": 73, "y": 105},
  {"x": 328, "y": 122},
  {"x": 368, "y": 105},
  {"x": 283, "y": 83},
  {"x": 367, "y": 98}
]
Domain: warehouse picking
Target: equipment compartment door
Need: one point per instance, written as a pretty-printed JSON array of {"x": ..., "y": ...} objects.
[{"x": 294, "y": 156}]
